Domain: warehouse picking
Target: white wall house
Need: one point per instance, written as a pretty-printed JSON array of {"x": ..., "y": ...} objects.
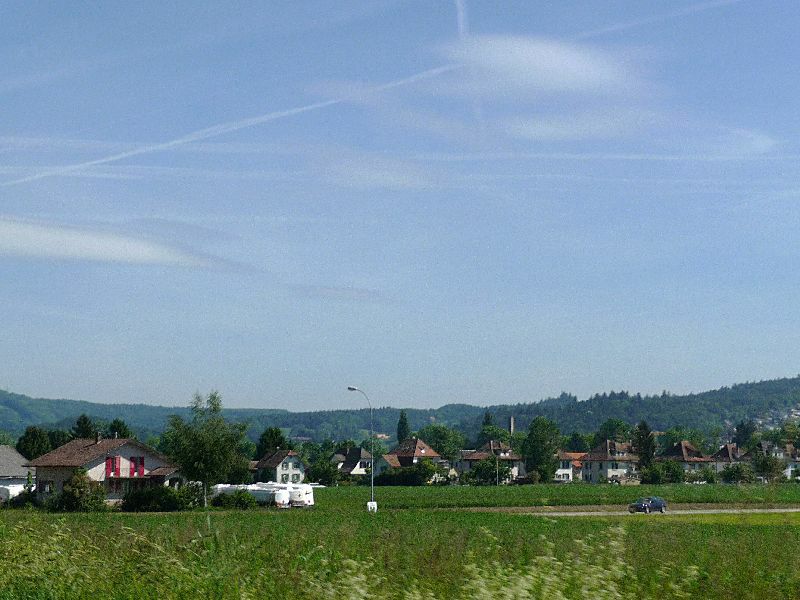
[
  {"x": 570, "y": 467},
  {"x": 492, "y": 449},
  {"x": 119, "y": 465},
  {"x": 283, "y": 466},
  {"x": 610, "y": 461}
]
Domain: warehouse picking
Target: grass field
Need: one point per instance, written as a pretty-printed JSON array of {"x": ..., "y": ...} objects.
[
  {"x": 337, "y": 550},
  {"x": 557, "y": 495}
]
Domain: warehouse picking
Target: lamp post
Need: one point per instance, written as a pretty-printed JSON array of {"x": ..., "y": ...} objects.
[{"x": 372, "y": 506}]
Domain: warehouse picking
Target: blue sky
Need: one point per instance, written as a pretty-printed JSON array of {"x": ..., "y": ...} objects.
[{"x": 435, "y": 201}]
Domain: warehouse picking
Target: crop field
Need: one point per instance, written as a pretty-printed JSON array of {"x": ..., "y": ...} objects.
[
  {"x": 558, "y": 495},
  {"x": 339, "y": 551}
]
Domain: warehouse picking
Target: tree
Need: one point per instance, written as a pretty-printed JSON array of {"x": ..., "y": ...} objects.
[
  {"x": 376, "y": 447},
  {"x": 58, "y": 437},
  {"x": 81, "y": 494},
  {"x": 738, "y": 473},
  {"x": 488, "y": 471},
  {"x": 323, "y": 471},
  {"x": 118, "y": 429},
  {"x": 577, "y": 442},
  {"x": 612, "y": 429},
  {"x": 403, "y": 428},
  {"x": 488, "y": 419},
  {"x": 541, "y": 448},
  {"x": 769, "y": 467},
  {"x": 493, "y": 432},
  {"x": 270, "y": 441},
  {"x": 745, "y": 430},
  {"x": 207, "y": 448},
  {"x": 446, "y": 441},
  {"x": 673, "y": 471},
  {"x": 6, "y": 439},
  {"x": 644, "y": 444},
  {"x": 84, "y": 428},
  {"x": 33, "y": 443}
]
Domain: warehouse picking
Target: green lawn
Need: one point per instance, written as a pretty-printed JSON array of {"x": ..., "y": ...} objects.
[
  {"x": 556, "y": 495},
  {"x": 337, "y": 552}
]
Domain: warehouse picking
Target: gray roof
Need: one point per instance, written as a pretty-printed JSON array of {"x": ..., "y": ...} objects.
[{"x": 11, "y": 463}]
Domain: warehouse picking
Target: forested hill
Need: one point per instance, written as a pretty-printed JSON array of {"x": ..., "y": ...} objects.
[{"x": 704, "y": 411}]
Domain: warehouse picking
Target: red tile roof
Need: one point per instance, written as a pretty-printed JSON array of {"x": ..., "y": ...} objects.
[
  {"x": 391, "y": 460},
  {"x": 273, "y": 460},
  {"x": 684, "y": 451},
  {"x": 613, "y": 451}
]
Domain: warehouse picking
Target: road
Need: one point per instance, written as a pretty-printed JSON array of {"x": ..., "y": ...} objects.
[{"x": 604, "y": 511}]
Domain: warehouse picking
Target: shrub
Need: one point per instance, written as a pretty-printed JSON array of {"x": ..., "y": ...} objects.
[
  {"x": 80, "y": 494},
  {"x": 26, "y": 499},
  {"x": 738, "y": 473},
  {"x": 152, "y": 499},
  {"x": 239, "y": 499},
  {"x": 421, "y": 473},
  {"x": 190, "y": 495}
]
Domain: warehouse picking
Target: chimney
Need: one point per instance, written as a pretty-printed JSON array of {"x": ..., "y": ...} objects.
[
  {"x": 511, "y": 424},
  {"x": 97, "y": 437}
]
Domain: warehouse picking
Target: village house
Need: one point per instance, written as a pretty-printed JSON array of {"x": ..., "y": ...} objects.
[
  {"x": 492, "y": 449},
  {"x": 408, "y": 453},
  {"x": 610, "y": 461},
  {"x": 119, "y": 465},
  {"x": 357, "y": 462},
  {"x": 786, "y": 453},
  {"x": 690, "y": 458},
  {"x": 727, "y": 455},
  {"x": 283, "y": 466},
  {"x": 570, "y": 466},
  {"x": 386, "y": 462},
  {"x": 12, "y": 467}
]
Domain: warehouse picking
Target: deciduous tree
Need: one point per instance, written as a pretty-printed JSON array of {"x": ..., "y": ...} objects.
[
  {"x": 541, "y": 447},
  {"x": 33, "y": 443}
]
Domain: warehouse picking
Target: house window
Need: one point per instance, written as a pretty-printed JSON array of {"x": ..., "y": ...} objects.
[
  {"x": 615, "y": 465},
  {"x": 295, "y": 478},
  {"x": 285, "y": 465},
  {"x": 285, "y": 478},
  {"x": 600, "y": 466}
]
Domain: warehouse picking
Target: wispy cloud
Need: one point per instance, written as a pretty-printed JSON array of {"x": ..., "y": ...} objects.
[
  {"x": 228, "y": 127},
  {"x": 370, "y": 172},
  {"x": 29, "y": 239},
  {"x": 500, "y": 64}
]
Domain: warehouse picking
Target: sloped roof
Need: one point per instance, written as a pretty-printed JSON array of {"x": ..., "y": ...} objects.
[
  {"x": 391, "y": 460},
  {"x": 12, "y": 463},
  {"x": 163, "y": 471},
  {"x": 575, "y": 458},
  {"x": 727, "y": 453},
  {"x": 684, "y": 451},
  {"x": 354, "y": 456},
  {"x": 613, "y": 451},
  {"x": 81, "y": 451},
  {"x": 414, "y": 448},
  {"x": 273, "y": 460}
]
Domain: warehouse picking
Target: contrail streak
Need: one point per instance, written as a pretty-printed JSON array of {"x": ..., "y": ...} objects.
[
  {"x": 689, "y": 10},
  {"x": 223, "y": 128}
]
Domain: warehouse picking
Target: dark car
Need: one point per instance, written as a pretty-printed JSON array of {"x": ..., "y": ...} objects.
[{"x": 648, "y": 505}]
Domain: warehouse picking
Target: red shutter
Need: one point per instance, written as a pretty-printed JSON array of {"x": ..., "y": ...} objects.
[
  {"x": 133, "y": 466},
  {"x": 141, "y": 466},
  {"x": 108, "y": 466},
  {"x": 117, "y": 465}
]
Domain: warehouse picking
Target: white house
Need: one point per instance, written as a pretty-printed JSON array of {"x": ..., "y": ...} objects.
[
  {"x": 570, "y": 466},
  {"x": 610, "y": 461},
  {"x": 119, "y": 465},
  {"x": 357, "y": 462},
  {"x": 283, "y": 466}
]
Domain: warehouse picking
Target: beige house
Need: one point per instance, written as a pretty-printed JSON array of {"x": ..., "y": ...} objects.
[
  {"x": 357, "y": 462},
  {"x": 283, "y": 466},
  {"x": 570, "y": 466},
  {"x": 611, "y": 461},
  {"x": 119, "y": 465}
]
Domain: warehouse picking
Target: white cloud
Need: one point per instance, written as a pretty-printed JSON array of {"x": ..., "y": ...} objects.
[
  {"x": 47, "y": 241},
  {"x": 499, "y": 64},
  {"x": 579, "y": 126}
]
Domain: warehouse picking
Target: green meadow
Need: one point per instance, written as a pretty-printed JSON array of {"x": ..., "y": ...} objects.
[{"x": 337, "y": 550}]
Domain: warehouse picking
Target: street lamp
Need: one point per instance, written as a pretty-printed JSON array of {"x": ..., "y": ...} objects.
[{"x": 372, "y": 506}]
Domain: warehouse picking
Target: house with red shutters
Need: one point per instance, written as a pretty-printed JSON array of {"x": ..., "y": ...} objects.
[{"x": 119, "y": 465}]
